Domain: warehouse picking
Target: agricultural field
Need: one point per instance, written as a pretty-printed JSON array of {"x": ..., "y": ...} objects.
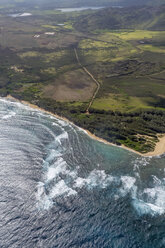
[{"x": 124, "y": 66}]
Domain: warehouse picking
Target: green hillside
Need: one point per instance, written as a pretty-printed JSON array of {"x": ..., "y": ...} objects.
[{"x": 151, "y": 18}]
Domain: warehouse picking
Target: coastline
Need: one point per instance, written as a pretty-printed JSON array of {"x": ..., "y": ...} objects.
[{"x": 159, "y": 148}]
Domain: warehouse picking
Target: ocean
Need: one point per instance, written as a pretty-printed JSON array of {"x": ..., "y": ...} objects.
[{"x": 60, "y": 188}]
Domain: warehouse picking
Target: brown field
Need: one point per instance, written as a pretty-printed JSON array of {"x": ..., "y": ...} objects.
[{"x": 72, "y": 86}]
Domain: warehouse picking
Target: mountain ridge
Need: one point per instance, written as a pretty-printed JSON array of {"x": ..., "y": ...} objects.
[
  {"x": 79, "y": 3},
  {"x": 141, "y": 17}
]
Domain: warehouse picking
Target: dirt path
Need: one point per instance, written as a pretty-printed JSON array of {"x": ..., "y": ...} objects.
[
  {"x": 92, "y": 77},
  {"x": 151, "y": 77}
]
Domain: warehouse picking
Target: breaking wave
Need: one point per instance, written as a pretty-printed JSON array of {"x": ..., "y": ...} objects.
[
  {"x": 66, "y": 168},
  {"x": 60, "y": 188},
  {"x": 61, "y": 179}
]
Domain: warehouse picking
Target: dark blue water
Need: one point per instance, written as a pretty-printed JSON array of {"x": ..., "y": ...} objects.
[{"x": 60, "y": 188}]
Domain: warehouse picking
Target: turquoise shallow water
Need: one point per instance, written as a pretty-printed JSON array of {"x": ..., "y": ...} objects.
[{"x": 60, "y": 188}]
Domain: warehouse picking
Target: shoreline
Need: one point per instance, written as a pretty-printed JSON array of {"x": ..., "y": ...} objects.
[{"x": 159, "y": 148}]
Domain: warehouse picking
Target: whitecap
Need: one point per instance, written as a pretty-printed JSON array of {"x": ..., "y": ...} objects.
[
  {"x": 52, "y": 155},
  {"x": 151, "y": 200},
  {"x": 95, "y": 178},
  {"x": 9, "y": 115},
  {"x": 43, "y": 200},
  {"x": 62, "y": 123},
  {"x": 64, "y": 135},
  {"x": 147, "y": 208},
  {"x": 127, "y": 185},
  {"x": 53, "y": 172},
  {"x": 61, "y": 189},
  {"x": 140, "y": 162}
]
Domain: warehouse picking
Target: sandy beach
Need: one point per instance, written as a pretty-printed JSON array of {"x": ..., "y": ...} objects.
[{"x": 159, "y": 148}]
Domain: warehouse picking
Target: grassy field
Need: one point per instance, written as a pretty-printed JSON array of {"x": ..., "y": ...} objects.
[
  {"x": 138, "y": 34},
  {"x": 122, "y": 103},
  {"x": 129, "y": 76}
]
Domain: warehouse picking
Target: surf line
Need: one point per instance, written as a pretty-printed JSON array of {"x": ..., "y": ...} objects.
[{"x": 159, "y": 148}]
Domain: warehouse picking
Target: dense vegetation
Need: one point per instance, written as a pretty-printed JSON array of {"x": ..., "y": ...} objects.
[
  {"x": 151, "y": 18},
  {"x": 124, "y": 50},
  {"x": 137, "y": 130}
]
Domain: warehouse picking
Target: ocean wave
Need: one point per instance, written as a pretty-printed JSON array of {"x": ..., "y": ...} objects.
[
  {"x": 62, "y": 123},
  {"x": 151, "y": 200},
  {"x": 96, "y": 178},
  {"x": 8, "y": 115},
  {"x": 128, "y": 185},
  {"x": 65, "y": 147},
  {"x": 53, "y": 172},
  {"x": 144, "y": 200},
  {"x": 61, "y": 189}
]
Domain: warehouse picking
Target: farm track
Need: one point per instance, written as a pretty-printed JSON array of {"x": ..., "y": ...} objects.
[{"x": 92, "y": 77}]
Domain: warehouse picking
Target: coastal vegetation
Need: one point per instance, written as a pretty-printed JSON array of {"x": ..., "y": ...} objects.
[{"x": 122, "y": 49}]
